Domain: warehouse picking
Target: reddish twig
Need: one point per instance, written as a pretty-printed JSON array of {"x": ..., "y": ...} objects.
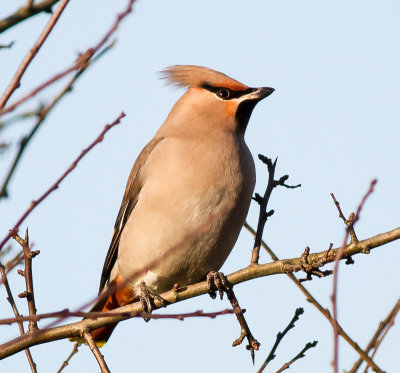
[
  {"x": 29, "y": 294},
  {"x": 16, "y": 80},
  {"x": 96, "y": 352},
  {"x": 64, "y": 314},
  {"x": 66, "y": 362},
  {"x": 42, "y": 115},
  {"x": 81, "y": 61},
  {"x": 279, "y": 337},
  {"x": 10, "y": 299},
  {"x": 263, "y": 203},
  {"x": 25, "y": 12},
  {"x": 339, "y": 254},
  {"x": 35, "y": 203},
  {"x": 298, "y": 356}
]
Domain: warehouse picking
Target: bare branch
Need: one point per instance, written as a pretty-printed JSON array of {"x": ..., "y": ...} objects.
[
  {"x": 26, "y": 12},
  {"x": 279, "y": 337},
  {"x": 42, "y": 116},
  {"x": 263, "y": 202},
  {"x": 35, "y": 203},
  {"x": 244, "y": 327},
  {"x": 313, "y": 301},
  {"x": 96, "y": 352},
  {"x": 66, "y": 362},
  {"x": 81, "y": 61},
  {"x": 10, "y": 299},
  {"x": 16, "y": 80},
  {"x": 173, "y": 296},
  {"x": 339, "y": 255},
  {"x": 298, "y": 356},
  {"x": 29, "y": 294},
  {"x": 66, "y": 313},
  {"x": 380, "y": 333}
]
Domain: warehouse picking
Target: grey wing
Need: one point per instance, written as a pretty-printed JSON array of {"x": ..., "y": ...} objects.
[{"x": 131, "y": 195}]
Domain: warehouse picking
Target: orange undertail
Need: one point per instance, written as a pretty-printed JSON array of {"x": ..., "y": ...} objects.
[{"x": 119, "y": 298}]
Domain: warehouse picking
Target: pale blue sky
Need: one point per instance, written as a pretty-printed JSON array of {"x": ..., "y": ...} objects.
[{"x": 333, "y": 122}]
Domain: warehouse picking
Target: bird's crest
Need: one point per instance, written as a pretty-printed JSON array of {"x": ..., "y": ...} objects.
[{"x": 198, "y": 76}]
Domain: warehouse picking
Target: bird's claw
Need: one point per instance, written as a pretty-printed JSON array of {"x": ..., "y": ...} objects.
[
  {"x": 217, "y": 281},
  {"x": 147, "y": 299}
]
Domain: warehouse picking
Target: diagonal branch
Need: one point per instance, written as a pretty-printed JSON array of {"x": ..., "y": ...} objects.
[
  {"x": 82, "y": 60},
  {"x": 378, "y": 336},
  {"x": 96, "y": 352},
  {"x": 298, "y": 356},
  {"x": 26, "y": 12},
  {"x": 16, "y": 80},
  {"x": 279, "y": 337},
  {"x": 42, "y": 116},
  {"x": 66, "y": 362},
  {"x": 35, "y": 203}
]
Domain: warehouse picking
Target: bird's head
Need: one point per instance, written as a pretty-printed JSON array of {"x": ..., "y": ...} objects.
[{"x": 212, "y": 99}]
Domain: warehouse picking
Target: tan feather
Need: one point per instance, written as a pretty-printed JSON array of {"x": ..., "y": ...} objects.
[{"x": 197, "y": 76}]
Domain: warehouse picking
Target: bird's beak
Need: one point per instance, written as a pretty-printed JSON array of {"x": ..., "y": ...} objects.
[{"x": 260, "y": 93}]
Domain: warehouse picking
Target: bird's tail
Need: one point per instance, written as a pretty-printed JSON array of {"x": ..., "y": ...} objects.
[{"x": 117, "y": 298}]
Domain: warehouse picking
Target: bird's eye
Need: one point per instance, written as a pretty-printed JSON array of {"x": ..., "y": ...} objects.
[{"x": 223, "y": 93}]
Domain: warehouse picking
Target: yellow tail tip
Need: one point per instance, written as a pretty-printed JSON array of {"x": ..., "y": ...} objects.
[{"x": 81, "y": 340}]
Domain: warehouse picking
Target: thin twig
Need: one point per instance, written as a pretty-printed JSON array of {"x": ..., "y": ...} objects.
[
  {"x": 35, "y": 203},
  {"x": 244, "y": 327},
  {"x": 174, "y": 296},
  {"x": 42, "y": 116},
  {"x": 298, "y": 356},
  {"x": 339, "y": 255},
  {"x": 66, "y": 313},
  {"x": 29, "y": 294},
  {"x": 66, "y": 362},
  {"x": 82, "y": 60},
  {"x": 312, "y": 300},
  {"x": 12, "y": 263},
  {"x": 16, "y": 80},
  {"x": 381, "y": 328},
  {"x": 279, "y": 337},
  {"x": 10, "y": 299},
  {"x": 26, "y": 12},
  {"x": 96, "y": 352},
  {"x": 263, "y": 202}
]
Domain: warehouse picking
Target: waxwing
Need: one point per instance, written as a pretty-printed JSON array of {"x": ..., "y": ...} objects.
[{"x": 187, "y": 195}]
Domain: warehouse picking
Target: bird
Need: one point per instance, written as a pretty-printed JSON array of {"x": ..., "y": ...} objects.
[{"x": 187, "y": 195}]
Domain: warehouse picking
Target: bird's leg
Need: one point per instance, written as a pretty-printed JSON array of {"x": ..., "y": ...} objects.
[
  {"x": 147, "y": 299},
  {"x": 217, "y": 281}
]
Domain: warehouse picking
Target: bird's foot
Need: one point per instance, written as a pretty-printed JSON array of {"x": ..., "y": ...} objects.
[
  {"x": 147, "y": 299},
  {"x": 217, "y": 281}
]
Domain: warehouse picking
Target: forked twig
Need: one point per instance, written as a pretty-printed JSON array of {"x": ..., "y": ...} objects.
[{"x": 279, "y": 337}]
